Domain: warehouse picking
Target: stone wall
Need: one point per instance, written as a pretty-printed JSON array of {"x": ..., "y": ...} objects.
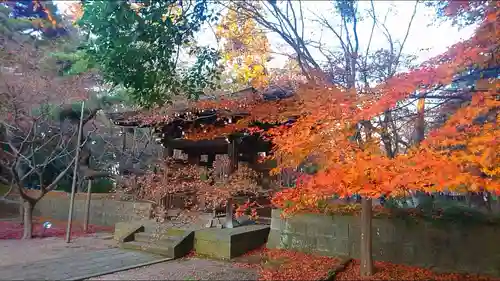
[
  {"x": 452, "y": 248},
  {"x": 104, "y": 210}
]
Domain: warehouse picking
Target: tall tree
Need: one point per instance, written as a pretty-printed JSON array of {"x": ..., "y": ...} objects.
[
  {"x": 284, "y": 18},
  {"x": 140, "y": 48},
  {"x": 35, "y": 136},
  {"x": 246, "y": 49},
  {"x": 351, "y": 152}
]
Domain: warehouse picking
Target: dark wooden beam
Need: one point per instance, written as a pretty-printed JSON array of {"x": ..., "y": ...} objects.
[
  {"x": 215, "y": 146},
  {"x": 233, "y": 156}
]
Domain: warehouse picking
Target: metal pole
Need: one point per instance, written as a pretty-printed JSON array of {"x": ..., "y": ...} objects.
[
  {"x": 75, "y": 172},
  {"x": 87, "y": 207}
]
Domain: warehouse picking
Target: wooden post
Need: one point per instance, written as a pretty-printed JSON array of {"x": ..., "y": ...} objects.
[
  {"x": 87, "y": 206},
  {"x": 75, "y": 173},
  {"x": 210, "y": 160},
  {"x": 233, "y": 166},
  {"x": 168, "y": 151},
  {"x": 193, "y": 159},
  {"x": 366, "y": 268},
  {"x": 233, "y": 156}
]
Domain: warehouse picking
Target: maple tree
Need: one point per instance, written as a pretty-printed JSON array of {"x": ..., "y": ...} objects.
[
  {"x": 246, "y": 49},
  {"x": 208, "y": 190},
  {"x": 335, "y": 129},
  {"x": 34, "y": 138}
]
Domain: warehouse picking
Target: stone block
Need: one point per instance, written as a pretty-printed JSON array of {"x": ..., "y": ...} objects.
[
  {"x": 124, "y": 231},
  {"x": 384, "y": 230},
  {"x": 354, "y": 232},
  {"x": 296, "y": 226},
  {"x": 332, "y": 246},
  {"x": 408, "y": 253},
  {"x": 336, "y": 228},
  {"x": 274, "y": 239},
  {"x": 354, "y": 248},
  {"x": 185, "y": 242},
  {"x": 386, "y": 251},
  {"x": 276, "y": 213},
  {"x": 230, "y": 242},
  {"x": 212, "y": 248},
  {"x": 278, "y": 224},
  {"x": 103, "y": 210},
  {"x": 303, "y": 243}
]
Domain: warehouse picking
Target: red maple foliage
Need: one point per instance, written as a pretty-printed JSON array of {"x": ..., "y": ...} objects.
[
  {"x": 389, "y": 271},
  {"x": 337, "y": 132},
  {"x": 206, "y": 189},
  {"x": 297, "y": 266},
  {"x": 280, "y": 264}
]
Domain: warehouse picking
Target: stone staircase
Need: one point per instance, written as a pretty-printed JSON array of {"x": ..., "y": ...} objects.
[{"x": 170, "y": 242}]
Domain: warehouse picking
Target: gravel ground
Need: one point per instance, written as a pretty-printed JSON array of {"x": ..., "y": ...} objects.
[
  {"x": 26, "y": 251},
  {"x": 185, "y": 269}
]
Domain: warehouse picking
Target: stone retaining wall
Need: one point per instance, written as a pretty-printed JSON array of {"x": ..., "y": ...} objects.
[
  {"x": 104, "y": 210},
  {"x": 453, "y": 247}
]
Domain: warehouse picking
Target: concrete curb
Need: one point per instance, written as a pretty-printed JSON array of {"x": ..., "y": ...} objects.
[{"x": 79, "y": 278}]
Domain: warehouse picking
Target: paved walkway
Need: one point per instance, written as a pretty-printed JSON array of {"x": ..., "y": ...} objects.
[
  {"x": 76, "y": 266},
  {"x": 186, "y": 269}
]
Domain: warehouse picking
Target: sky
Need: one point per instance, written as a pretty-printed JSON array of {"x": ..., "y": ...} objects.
[{"x": 425, "y": 40}]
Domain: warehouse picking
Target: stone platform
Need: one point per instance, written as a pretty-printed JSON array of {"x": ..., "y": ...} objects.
[
  {"x": 154, "y": 238},
  {"x": 230, "y": 242}
]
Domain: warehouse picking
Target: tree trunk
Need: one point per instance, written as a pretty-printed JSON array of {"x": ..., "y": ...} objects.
[
  {"x": 468, "y": 199},
  {"x": 21, "y": 209},
  {"x": 28, "y": 219},
  {"x": 366, "y": 268},
  {"x": 419, "y": 133}
]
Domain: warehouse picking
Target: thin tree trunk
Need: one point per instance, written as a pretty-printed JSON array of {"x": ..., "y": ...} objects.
[
  {"x": 487, "y": 201},
  {"x": 27, "y": 219},
  {"x": 21, "y": 209},
  {"x": 468, "y": 199},
  {"x": 366, "y": 268},
  {"x": 420, "y": 122}
]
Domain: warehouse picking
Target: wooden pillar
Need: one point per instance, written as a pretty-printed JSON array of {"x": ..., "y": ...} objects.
[
  {"x": 210, "y": 160},
  {"x": 233, "y": 166},
  {"x": 168, "y": 151},
  {"x": 233, "y": 156},
  {"x": 253, "y": 157},
  {"x": 193, "y": 159}
]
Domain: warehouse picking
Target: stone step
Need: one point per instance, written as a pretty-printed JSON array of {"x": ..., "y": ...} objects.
[
  {"x": 153, "y": 248},
  {"x": 155, "y": 237},
  {"x": 166, "y": 231}
]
